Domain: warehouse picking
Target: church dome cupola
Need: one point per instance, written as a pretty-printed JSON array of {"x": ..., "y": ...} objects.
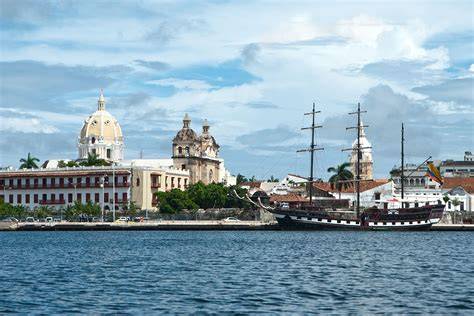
[{"x": 101, "y": 135}]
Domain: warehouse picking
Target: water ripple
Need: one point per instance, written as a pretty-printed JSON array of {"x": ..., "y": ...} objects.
[{"x": 236, "y": 272}]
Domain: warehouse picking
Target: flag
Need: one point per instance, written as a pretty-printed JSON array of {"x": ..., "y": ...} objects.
[{"x": 434, "y": 173}]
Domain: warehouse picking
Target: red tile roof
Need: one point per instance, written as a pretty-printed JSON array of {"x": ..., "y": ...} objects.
[
  {"x": 467, "y": 183},
  {"x": 364, "y": 186},
  {"x": 287, "y": 198}
]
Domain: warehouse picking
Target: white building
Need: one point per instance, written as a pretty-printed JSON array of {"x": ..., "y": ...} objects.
[
  {"x": 365, "y": 160},
  {"x": 101, "y": 135}
]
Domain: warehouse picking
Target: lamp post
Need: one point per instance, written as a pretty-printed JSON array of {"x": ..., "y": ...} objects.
[
  {"x": 113, "y": 191},
  {"x": 102, "y": 185}
]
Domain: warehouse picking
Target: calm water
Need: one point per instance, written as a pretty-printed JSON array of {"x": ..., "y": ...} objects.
[{"x": 244, "y": 272}]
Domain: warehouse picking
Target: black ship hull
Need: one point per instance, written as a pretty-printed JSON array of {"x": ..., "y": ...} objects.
[{"x": 421, "y": 218}]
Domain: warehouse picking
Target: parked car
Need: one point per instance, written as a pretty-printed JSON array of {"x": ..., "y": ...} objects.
[
  {"x": 30, "y": 219},
  {"x": 231, "y": 219},
  {"x": 10, "y": 219},
  {"x": 122, "y": 219},
  {"x": 48, "y": 219}
]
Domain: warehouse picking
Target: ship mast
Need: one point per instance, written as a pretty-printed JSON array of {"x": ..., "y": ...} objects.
[
  {"x": 358, "y": 148},
  {"x": 311, "y": 149},
  {"x": 402, "y": 176}
]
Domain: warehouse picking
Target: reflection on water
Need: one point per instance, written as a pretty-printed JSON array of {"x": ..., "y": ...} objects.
[{"x": 246, "y": 272}]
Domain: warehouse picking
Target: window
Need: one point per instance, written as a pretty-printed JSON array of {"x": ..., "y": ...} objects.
[
  {"x": 124, "y": 196},
  {"x": 124, "y": 179},
  {"x": 319, "y": 219},
  {"x": 187, "y": 151},
  {"x": 10, "y": 199},
  {"x": 96, "y": 198},
  {"x": 45, "y": 197},
  {"x": 88, "y": 180},
  {"x": 61, "y": 182},
  {"x": 211, "y": 176},
  {"x": 44, "y": 182},
  {"x": 106, "y": 197},
  {"x": 309, "y": 218},
  {"x": 94, "y": 152},
  {"x": 180, "y": 150},
  {"x": 179, "y": 182},
  {"x": 61, "y": 197},
  {"x": 18, "y": 198},
  {"x": 88, "y": 197},
  {"x": 53, "y": 182},
  {"x": 385, "y": 223},
  {"x": 109, "y": 153},
  {"x": 35, "y": 198},
  {"x": 377, "y": 195},
  {"x": 53, "y": 197},
  {"x": 79, "y": 197},
  {"x": 393, "y": 223},
  {"x": 338, "y": 221},
  {"x": 138, "y": 182},
  {"x": 183, "y": 167},
  {"x": 69, "y": 198}
]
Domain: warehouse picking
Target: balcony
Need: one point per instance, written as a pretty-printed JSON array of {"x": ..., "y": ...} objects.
[
  {"x": 62, "y": 186},
  {"x": 52, "y": 202}
]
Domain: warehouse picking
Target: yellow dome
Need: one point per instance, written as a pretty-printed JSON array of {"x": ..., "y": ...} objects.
[{"x": 101, "y": 126}]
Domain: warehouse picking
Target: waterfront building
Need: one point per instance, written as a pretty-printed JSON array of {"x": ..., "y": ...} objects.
[
  {"x": 101, "y": 135},
  {"x": 372, "y": 192},
  {"x": 452, "y": 168},
  {"x": 110, "y": 186},
  {"x": 468, "y": 156},
  {"x": 200, "y": 155},
  {"x": 366, "y": 161}
]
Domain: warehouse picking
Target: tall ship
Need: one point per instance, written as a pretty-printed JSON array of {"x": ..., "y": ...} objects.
[{"x": 393, "y": 214}]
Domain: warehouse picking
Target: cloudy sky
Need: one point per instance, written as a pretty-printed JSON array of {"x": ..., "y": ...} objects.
[{"x": 250, "y": 68}]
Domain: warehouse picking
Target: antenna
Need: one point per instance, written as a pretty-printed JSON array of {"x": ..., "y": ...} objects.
[
  {"x": 358, "y": 148},
  {"x": 311, "y": 149}
]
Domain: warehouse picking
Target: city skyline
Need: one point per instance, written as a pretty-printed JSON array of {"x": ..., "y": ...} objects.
[{"x": 235, "y": 63}]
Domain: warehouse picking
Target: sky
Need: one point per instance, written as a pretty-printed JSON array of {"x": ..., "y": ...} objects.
[{"x": 252, "y": 68}]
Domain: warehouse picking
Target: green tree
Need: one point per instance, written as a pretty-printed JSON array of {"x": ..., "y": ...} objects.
[
  {"x": 93, "y": 160},
  {"x": 29, "y": 162},
  {"x": 130, "y": 209},
  {"x": 340, "y": 178},
  {"x": 42, "y": 212},
  {"x": 241, "y": 179},
  {"x": 69, "y": 164},
  {"x": 175, "y": 201},
  {"x": 273, "y": 179}
]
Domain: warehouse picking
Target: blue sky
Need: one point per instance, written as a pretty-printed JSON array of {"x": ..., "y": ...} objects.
[{"x": 251, "y": 68}]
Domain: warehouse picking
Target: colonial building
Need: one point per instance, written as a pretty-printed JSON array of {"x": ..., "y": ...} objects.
[
  {"x": 111, "y": 186},
  {"x": 199, "y": 154},
  {"x": 366, "y": 162},
  {"x": 195, "y": 158},
  {"x": 101, "y": 135}
]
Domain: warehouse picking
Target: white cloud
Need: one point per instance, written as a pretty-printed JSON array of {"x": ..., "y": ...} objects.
[
  {"x": 30, "y": 125},
  {"x": 181, "y": 84}
]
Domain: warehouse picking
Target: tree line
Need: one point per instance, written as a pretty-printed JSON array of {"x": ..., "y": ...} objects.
[{"x": 201, "y": 196}]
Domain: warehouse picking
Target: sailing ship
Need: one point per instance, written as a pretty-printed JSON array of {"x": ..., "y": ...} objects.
[{"x": 394, "y": 214}]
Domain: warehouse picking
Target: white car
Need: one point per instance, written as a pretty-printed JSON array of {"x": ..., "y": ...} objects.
[
  {"x": 231, "y": 219},
  {"x": 122, "y": 219}
]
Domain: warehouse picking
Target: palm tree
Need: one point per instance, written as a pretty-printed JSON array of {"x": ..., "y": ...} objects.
[
  {"x": 29, "y": 162},
  {"x": 93, "y": 160},
  {"x": 340, "y": 178}
]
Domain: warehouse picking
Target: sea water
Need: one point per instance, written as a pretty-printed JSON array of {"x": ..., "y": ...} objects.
[{"x": 237, "y": 272}]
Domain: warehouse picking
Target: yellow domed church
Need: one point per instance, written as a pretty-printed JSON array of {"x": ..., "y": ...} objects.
[{"x": 101, "y": 135}]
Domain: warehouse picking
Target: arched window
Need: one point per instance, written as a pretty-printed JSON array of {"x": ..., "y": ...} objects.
[
  {"x": 138, "y": 182},
  {"x": 211, "y": 174},
  {"x": 180, "y": 150},
  {"x": 187, "y": 150}
]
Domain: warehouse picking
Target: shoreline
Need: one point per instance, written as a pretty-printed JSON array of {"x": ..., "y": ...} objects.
[{"x": 176, "y": 225}]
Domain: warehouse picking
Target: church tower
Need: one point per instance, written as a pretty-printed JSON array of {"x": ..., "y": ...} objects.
[
  {"x": 366, "y": 162},
  {"x": 198, "y": 154},
  {"x": 101, "y": 135}
]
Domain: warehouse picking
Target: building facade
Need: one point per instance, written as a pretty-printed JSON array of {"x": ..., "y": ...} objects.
[
  {"x": 101, "y": 135},
  {"x": 197, "y": 153},
  {"x": 110, "y": 187}
]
